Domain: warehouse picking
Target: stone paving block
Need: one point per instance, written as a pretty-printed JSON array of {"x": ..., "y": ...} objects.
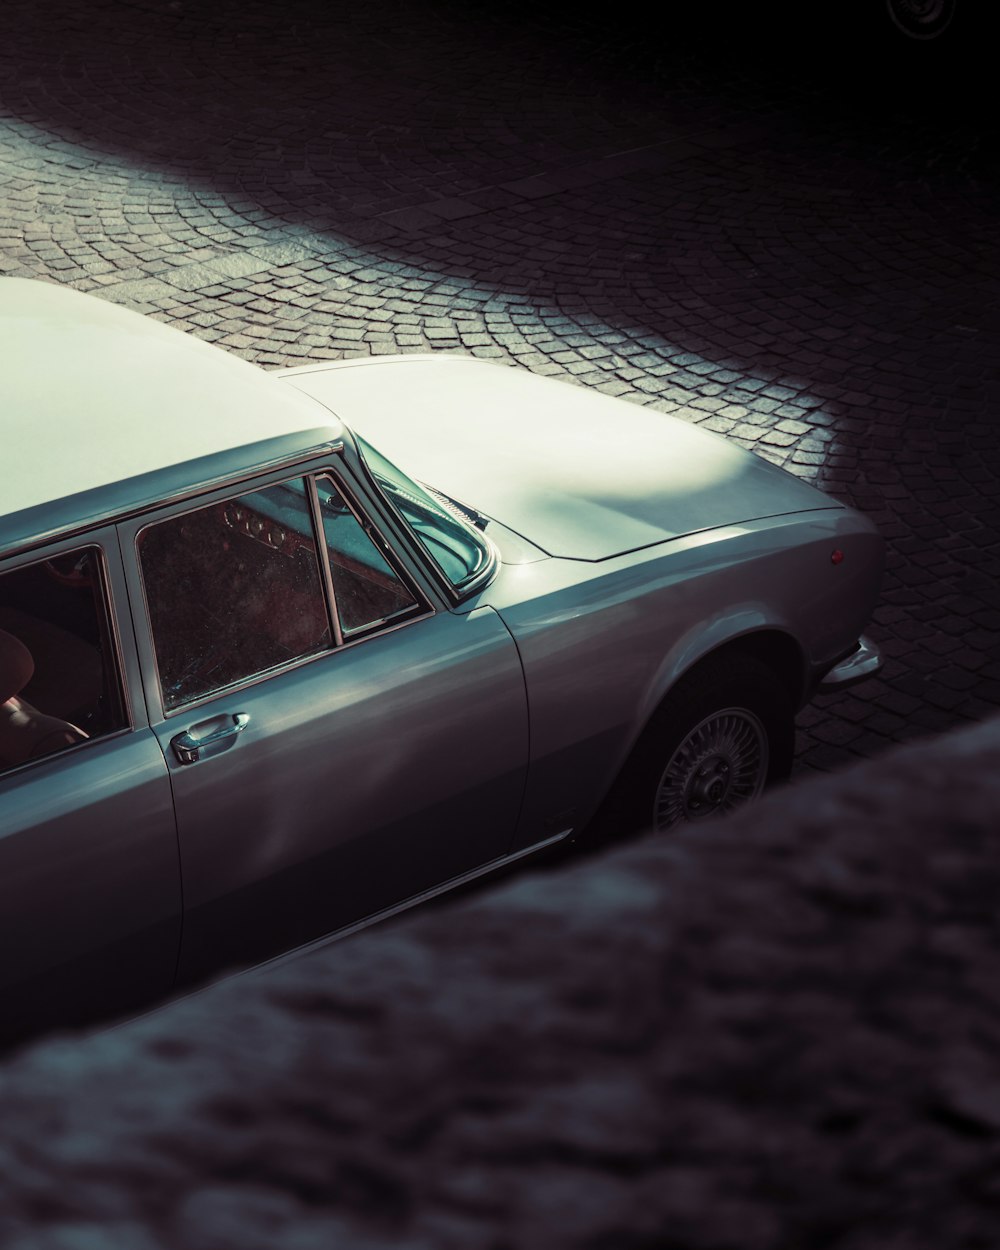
[
  {"x": 138, "y": 293},
  {"x": 534, "y": 187},
  {"x": 452, "y": 208},
  {"x": 198, "y": 276}
]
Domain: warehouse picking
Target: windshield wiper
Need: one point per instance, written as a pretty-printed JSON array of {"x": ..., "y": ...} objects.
[{"x": 470, "y": 514}]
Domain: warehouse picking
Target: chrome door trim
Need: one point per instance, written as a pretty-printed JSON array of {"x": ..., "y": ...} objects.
[
  {"x": 426, "y": 896},
  {"x": 326, "y": 572},
  {"x": 114, "y": 629},
  {"x": 65, "y": 753},
  {"x": 184, "y": 709},
  {"x": 381, "y": 544}
]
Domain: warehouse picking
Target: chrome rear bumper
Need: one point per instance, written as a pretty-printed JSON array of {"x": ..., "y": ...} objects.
[{"x": 865, "y": 661}]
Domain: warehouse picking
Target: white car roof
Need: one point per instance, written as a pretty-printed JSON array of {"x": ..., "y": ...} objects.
[{"x": 92, "y": 394}]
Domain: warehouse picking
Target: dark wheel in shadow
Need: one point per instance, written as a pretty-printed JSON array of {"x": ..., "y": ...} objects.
[{"x": 724, "y": 733}]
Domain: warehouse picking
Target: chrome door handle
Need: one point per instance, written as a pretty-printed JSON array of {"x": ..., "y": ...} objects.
[{"x": 187, "y": 747}]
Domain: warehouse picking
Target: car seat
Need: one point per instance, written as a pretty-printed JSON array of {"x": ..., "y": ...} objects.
[{"x": 26, "y": 733}]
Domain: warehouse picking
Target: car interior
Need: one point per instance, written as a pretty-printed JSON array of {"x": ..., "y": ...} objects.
[
  {"x": 235, "y": 589},
  {"x": 230, "y": 593},
  {"x": 58, "y": 686}
]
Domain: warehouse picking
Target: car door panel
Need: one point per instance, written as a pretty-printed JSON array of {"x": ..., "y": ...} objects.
[
  {"x": 90, "y": 909},
  {"x": 363, "y": 777},
  {"x": 89, "y": 884},
  {"x": 316, "y": 781}
]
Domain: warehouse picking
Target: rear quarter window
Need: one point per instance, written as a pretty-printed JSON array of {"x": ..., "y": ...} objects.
[{"x": 59, "y": 679}]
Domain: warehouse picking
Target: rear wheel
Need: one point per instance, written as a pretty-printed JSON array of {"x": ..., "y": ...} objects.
[{"x": 723, "y": 733}]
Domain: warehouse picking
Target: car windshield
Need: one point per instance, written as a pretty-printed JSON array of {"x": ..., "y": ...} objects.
[{"x": 454, "y": 546}]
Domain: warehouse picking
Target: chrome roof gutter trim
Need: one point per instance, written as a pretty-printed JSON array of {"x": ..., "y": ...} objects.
[{"x": 103, "y": 505}]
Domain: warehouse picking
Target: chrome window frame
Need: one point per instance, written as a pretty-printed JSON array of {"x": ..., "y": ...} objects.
[
  {"x": 381, "y": 545},
  {"x": 199, "y": 498},
  {"x": 323, "y": 556},
  {"x": 454, "y": 594}
]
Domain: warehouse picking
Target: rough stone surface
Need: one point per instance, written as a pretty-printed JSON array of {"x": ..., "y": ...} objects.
[
  {"x": 798, "y": 252},
  {"x": 774, "y": 1032}
]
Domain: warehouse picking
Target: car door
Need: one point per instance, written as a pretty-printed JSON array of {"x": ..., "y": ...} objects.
[
  {"x": 89, "y": 873},
  {"x": 337, "y": 740}
]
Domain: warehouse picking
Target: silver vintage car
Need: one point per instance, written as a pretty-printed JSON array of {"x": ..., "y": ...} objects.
[{"x": 258, "y": 684}]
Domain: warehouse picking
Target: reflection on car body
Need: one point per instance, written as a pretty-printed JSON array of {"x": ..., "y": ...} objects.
[{"x": 258, "y": 684}]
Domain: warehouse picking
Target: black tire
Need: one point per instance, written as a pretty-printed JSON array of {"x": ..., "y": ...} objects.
[{"x": 706, "y": 732}]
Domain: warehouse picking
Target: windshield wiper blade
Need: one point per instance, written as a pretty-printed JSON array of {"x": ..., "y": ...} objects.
[{"x": 469, "y": 513}]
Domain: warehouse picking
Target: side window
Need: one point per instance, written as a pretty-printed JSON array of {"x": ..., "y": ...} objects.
[
  {"x": 367, "y": 590},
  {"x": 59, "y": 681},
  {"x": 233, "y": 589}
]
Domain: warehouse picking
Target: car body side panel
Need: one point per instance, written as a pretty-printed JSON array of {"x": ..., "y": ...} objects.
[
  {"x": 90, "y": 888},
  {"x": 602, "y": 644},
  {"x": 89, "y": 885},
  {"x": 364, "y": 776}
]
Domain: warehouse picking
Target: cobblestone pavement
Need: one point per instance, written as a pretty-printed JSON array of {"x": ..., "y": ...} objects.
[{"x": 812, "y": 271}]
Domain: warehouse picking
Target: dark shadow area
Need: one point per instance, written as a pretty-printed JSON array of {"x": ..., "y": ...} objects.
[
  {"x": 309, "y": 105},
  {"x": 331, "y": 118}
]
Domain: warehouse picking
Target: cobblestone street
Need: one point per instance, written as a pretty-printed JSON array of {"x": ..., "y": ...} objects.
[{"x": 819, "y": 283}]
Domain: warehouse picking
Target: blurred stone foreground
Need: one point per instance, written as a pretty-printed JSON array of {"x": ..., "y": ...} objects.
[{"x": 780, "y": 1032}]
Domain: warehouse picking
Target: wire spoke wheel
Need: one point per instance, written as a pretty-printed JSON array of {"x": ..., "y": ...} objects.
[
  {"x": 719, "y": 765},
  {"x": 722, "y": 734}
]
